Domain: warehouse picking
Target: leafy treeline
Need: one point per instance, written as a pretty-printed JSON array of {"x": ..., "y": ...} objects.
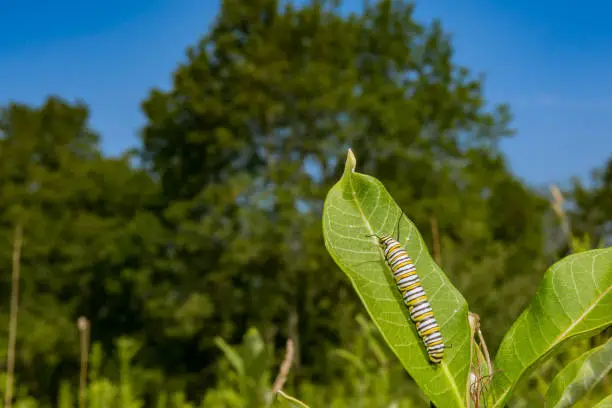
[{"x": 218, "y": 229}]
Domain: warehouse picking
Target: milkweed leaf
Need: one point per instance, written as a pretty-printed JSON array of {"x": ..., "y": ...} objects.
[
  {"x": 359, "y": 205},
  {"x": 573, "y": 300},
  {"x": 605, "y": 403},
  {"x": 579, "y": 376}
]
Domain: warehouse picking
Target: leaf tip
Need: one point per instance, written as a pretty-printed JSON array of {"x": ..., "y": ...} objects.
[{"x": 351, "y": 162}]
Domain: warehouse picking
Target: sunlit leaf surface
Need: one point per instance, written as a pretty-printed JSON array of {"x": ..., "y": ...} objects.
[
  {"x": 574, "y": 299},
  {"x": 579, "y": 376},
  {"x": 359, "y": 205}
]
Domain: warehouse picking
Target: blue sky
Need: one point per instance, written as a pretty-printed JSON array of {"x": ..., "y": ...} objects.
[{"x": 549, "y": 60}]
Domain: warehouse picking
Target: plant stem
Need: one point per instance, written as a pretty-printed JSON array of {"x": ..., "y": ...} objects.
[
  {"x": 10, "y": 355},
  {"x": 83, "y": 325}
]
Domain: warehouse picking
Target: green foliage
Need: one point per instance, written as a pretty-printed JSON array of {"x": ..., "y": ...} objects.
[
  {"x": 89, "y": 235},
  {"x": 579, "y": 376},
  {"x": 605, "y": 403},
  {"x": 532, "y": 391},
  {"x": 592, "y": 211},
  {"x": 574, "y": 299},
  {"x": 366, "y": 377},
  {"x": 359, "y": 205},
  {"x": 371, "y": 374},
  {"x": 375, "y": 384},
  {"x": 251, "y": 376}
]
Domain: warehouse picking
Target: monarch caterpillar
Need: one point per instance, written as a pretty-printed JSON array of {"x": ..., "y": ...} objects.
[{"x": 414, "y": 295}]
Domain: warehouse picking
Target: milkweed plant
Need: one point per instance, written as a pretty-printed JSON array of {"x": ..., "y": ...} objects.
[{"x": 573, "y": 301}]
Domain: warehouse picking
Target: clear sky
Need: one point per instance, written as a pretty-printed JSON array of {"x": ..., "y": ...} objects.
[{"x": 549, "y": 60}]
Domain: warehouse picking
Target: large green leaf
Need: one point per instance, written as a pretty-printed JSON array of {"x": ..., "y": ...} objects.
[
  {"x": 579, "y": 376},
  {"x": 573, "y": 300},
  {"x": 359, "y": 205}
]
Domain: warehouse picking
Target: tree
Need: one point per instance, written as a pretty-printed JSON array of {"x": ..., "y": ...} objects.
[
  {"x": 89, "y": 237},
  {"x": 592, "y": 212},
  {"x": 248, "y": 139}
]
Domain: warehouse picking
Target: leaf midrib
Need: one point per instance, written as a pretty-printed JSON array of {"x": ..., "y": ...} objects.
[
  {"x": 448, "y": 375},
  {"x": 557, "y": 340}
]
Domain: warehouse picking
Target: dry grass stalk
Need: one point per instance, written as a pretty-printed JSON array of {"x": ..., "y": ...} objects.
[
  {"x": 557, "y": 205},
  {"x": 284, "y": 368},
  {"x": 10, "y": 355},
  {"x": 479, "y": 383},
  {"x": 83, "y": 325}
]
